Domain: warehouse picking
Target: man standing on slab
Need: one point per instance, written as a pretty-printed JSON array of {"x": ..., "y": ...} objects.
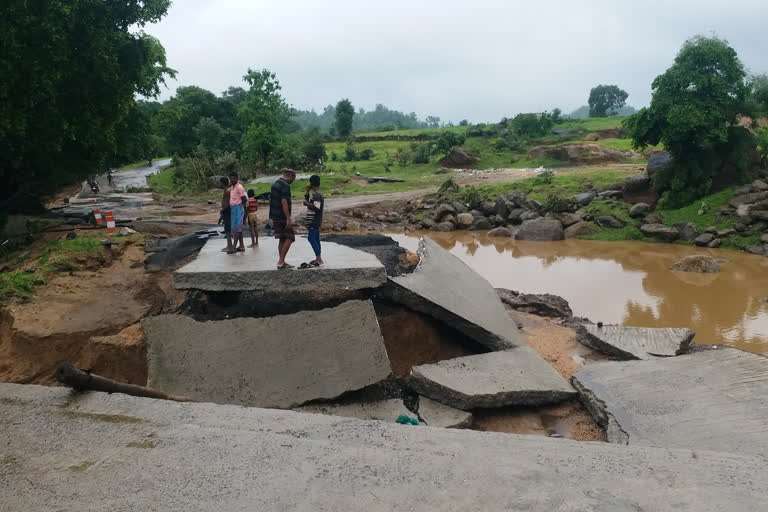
[{"x": 280, "y": 214}]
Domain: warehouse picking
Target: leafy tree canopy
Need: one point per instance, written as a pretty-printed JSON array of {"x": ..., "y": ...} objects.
[
  {"x": 345, "y": 112},
  {"x": 71, "y": 71},
  {"x": 605, "y": 100}
]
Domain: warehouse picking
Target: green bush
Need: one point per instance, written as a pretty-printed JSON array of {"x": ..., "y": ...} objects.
[{"x": 366, "y": 154}]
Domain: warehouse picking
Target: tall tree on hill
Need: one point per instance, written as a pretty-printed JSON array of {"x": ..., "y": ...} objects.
[
  {"x": 605, "y": 100},
  {"x": 71, "y": 73},
  {"x": 264, "y": 112},
  {"x": 694, "y": 112},
  {"x": 345, "y": 113}
]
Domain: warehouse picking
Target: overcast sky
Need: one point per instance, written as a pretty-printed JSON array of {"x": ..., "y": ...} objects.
[{"x": 479, "y": 59}]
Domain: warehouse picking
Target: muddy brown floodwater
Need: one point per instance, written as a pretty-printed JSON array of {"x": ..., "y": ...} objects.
[{"x": 627, "y": 282}]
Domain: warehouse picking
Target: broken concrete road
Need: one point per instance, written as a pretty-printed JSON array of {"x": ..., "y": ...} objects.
[
  {"x": 67, "y": 451},
  {"x": 281, "y": 361},
  {"x": 433, "y": 413},
  {"x": 711, "y": 400},
  {"x": 635, "y": 342},
  {"x": 256, "y": 269},
  {"x": 496, "y": 379},
  {"x": 445, "y": 288}
]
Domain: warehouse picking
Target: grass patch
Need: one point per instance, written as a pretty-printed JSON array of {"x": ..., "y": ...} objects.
[
  {"x": 708, "y": 218},
  {"x": 619, "y": 210},
  {"x": 592, "y": 124}
]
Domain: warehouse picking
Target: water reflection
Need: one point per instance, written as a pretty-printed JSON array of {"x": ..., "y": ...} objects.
[{"x": 628, "y": 282}]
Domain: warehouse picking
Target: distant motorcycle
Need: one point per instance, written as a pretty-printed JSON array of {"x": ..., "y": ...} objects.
[{"x": 94, "y": 187}]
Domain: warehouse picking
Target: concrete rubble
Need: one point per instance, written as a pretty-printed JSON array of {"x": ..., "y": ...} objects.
[
  {"x": 445, "y": 288},
  {"x": 432, "y": 413},
  {"x": 496, "y": 379},
  {"x": 66, "y": 451},
  {"x": 281, "y": 361},
  {"x": 712, "y": 400},
  {"x": 636, "y": 342},
  {"x": 256, "y": 269}
]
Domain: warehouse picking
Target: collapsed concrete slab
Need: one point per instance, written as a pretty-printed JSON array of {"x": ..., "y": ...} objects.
[
  {"x": 281, "y": 361},
  {"x": 256, "y": 269},
  {"x": 432, "y": 413},
  {"x": 444, "y": 287},
  {"x": 115, "y": 452},
  {"x": 636, "y": 342},
  {"x": 711, "y": 400},
  {"x": 496, "y": 379}
]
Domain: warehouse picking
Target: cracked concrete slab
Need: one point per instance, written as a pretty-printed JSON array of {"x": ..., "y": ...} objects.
[
  {"x": 497, "y": 379},
  {"x": 710, "y": 400},
  {"x": 280, "y": 361},
  {"x": 636, "y": 342},
  {"x": 433, "y": 413},
  {"x": 445, "y": 288},
  {"x": 256, "y": 269},
  {"x": 114, "y": 452}
]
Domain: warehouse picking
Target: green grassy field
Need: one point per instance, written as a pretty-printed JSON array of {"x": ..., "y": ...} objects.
[{"x": 592, "y": 124}]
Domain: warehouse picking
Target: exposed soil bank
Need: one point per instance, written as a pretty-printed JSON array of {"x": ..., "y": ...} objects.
[{"x": 628, "y": 283}]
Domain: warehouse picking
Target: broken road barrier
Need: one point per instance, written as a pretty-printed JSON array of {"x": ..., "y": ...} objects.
[{"x": 110, "y": 222}]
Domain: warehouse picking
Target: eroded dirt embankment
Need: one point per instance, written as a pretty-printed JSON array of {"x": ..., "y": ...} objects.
[{"x": 88, "y": 316}]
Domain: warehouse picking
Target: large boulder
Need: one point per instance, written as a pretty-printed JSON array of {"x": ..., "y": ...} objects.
[
  {"x": 443, "y": 227},
  {"x": 541, "y": 229},
  {"x": 704, "y": 239},
  {"x": 500, "y": 232},
  {"x": 581, "y": 153},
  {"x": 481, "y": 224},
  {"x": 592, "y": 137},
  {"x": 515, "y": 216},
  {"x": 749, "y": 198},
  {"x": 443, "y": 210},
  {"x": 609, "y": 221},
  {"x": 639, "y": 210},
  {"x": 569, "y": 219},
  {"x": 657, "y": 161},
  {"x": 464, "y": 220},
  {"x": 458, "y": 157},
  {"x": 584, "y": 198},
  {"x": 697, "y": 263},
  {"x": 581, "y": 228},
  {"x": 688, "y": 231},
  {"x": 637, "y": 183},
  {"x": 660, "y": 232}
]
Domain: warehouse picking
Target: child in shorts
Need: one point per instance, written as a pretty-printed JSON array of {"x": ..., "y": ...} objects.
[{"x": 253, "y": 221}]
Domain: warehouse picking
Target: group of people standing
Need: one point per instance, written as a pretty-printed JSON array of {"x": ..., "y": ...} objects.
[{"x": 237, "y": 207}]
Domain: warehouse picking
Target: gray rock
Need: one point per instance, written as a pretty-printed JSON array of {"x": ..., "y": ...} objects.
[
  {"x": 724, "y": 233},
  {"x": 464, "y": 220},
  {"x": 450, "y": 219},
  {"x": 639, "y": 210},
  {"x": 460, "y": 208},
  {"x": 543, "y": 304},
  {"x": 177, "y": 457},
  {"x": 697, "y": 263},
  {"x": 687, "y": 230},
  {"x": 517, "y": 197},
  {"x": 346, "y": 268},
  {"x": 432, "y": 413},
  {"x": 714, "y": 244},
  {"x": 750, "y": 198},
  {"x": 743, "y": 210},
  {"x": 654, "y": 218},
  {"x": 609, "y": 221},
  {"x": 393, "y": 217},
  {"x": 637, "y": 183},
  {"x": 533, "y": 204},
  {"x": 584, "y": 198},
  {"x": 489, "y": 208},
  {"x": 529, "y": 215},
  {"x": 755, "y": 249},
  {"x": 515, "y": 216},
  {"x": 569, "y": 219},
  {"x": 711, "y": 229},
  {"x": 761, "y": 215},
  {"x": 498, "y": 220},
  {"x": 610, "y": 194},
  {"x": 744, "y": 189},
  {"x": 581, "y": 228},
  {"x": 280, "y": 361},
  {"x": 758, "y": 227},
  {"x": 660, "y": 232},
  {"x": 764, "y": 238},
  {"x": 541, "y": 229},
  {"x": 497, "y": 379},
  {"x": 704, "y": 239},
  {"x": 469, "y": 303},
  {"x": 759, "y": 185},
  {"x": 503, "y": 207},
  {"x": 500, "y": 232},
  {"x": 443, "y": 227},
  {"x": 635, "y": 342},
  {"x": 709, "y": 400},
  {"x": 443, "y": 210},
  {"x": 481, "y": 223},
  {"x": 476, "y": 213},
  {"x": 658, "y": 162},
  {"x": 428, "y": 223}
]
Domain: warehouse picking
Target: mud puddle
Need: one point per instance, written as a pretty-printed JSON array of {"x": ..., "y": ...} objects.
[{"x": 627, "y": 282}]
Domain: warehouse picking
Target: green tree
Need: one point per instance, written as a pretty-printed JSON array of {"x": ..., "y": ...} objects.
[
  {"x": 605, "y": 100},
  {"x": 762, "y": 145},
  {"x": 178, "y": 117},
  {"x": 71, "y": 70},
  {"x": 264, "y": 112},
  {"x": 758, "y": 95},
  {"x": 345, "y": 113},
  {"x": 693, "y": 112},
  {"x": 531, "y": 125}
]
